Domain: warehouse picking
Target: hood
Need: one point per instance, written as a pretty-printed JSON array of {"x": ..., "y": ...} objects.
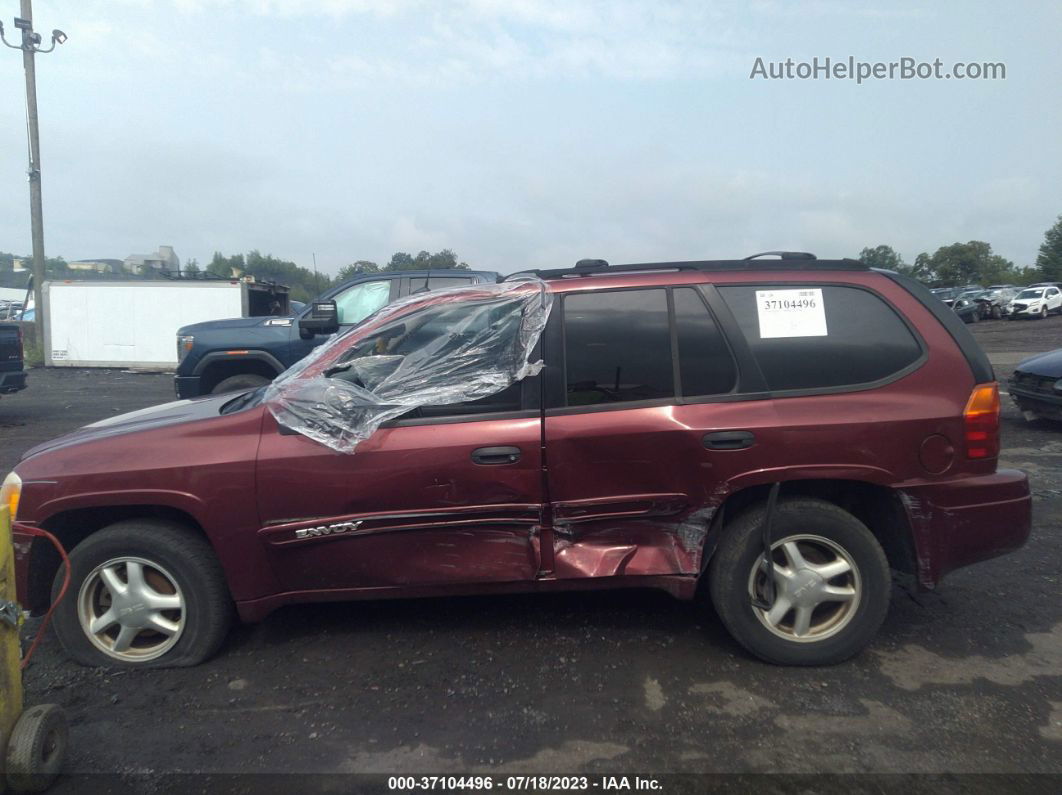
[
  {"x": 1046, "y": 365},
  {"x": 144, "y": 420},
  {"x": 235, "y": 322}
]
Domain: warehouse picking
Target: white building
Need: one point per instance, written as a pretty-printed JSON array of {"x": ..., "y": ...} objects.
[{"x": 162, "y": 260}]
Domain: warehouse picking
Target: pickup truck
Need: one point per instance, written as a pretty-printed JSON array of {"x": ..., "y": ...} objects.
[
  {"x": 12, "y": 376},
  {"x": 245, "y": 353}
]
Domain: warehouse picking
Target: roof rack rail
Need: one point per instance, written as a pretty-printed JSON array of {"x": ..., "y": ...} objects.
[
  {"x": 789, "y": 261},
  {"x": 783, "y": 255}
]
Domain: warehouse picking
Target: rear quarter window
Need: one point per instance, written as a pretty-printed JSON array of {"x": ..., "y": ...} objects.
[{"x": 865, "y": 340}]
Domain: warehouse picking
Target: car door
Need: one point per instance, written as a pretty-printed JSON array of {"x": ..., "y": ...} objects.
[
  {"x": 451, "y": 495},
  {"x": 644, "y": 426},
  {"x": 1054, "y": 299}
]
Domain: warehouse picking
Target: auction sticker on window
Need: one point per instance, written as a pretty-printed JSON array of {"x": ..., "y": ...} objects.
[{"x": 791, "y": 313}]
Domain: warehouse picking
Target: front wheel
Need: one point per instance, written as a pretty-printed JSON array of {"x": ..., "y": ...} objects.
[
  {"x": 1043, "y": 313},
  {"x": 237, "y": 383},
  {"x": 143, "y": 593},
  {"x": 830, "y": 576}
]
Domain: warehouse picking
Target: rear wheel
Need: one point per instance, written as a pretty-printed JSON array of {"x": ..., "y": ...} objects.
[
  {"x": 143, "y": 593},
  {"x": 236, "y": 383},
  {"x": 830, "y": 577},
  {"x": 997, "y": 313}
]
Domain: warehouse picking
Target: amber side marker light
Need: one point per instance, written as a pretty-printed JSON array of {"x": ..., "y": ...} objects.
[{"x": 982, "y": 421}]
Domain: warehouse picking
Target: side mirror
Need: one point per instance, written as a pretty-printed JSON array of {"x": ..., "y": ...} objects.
[{"x": 323, "y": 318}]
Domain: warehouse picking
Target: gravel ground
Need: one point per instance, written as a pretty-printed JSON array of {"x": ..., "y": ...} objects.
[{"x": 965, "y": 680}]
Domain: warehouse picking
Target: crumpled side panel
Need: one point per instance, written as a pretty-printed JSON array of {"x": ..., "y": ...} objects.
[{"x": 431, "y": 349}]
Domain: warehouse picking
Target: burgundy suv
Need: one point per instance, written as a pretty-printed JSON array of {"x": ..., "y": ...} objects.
[{"x": 781, "y": 431}]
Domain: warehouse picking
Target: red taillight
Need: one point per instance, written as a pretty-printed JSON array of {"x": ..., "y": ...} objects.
[{"x": 982, "y": 421}]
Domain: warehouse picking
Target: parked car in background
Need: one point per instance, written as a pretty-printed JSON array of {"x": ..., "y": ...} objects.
[
  {"x": 1036, "y": 302},
  {"x": 994, "y": 301},
  {"x": 780, "y": 432},
  {"x": 968, "y": 306},
  {"x": 1036, "y": 386},
  {"x": 243, "y": 353}
]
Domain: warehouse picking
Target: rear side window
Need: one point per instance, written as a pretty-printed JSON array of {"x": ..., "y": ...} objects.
[
  {"x": 446, "y": 282},
  {"x": 865, "y": 339},
  {"x": 617, "y": 347},
  {"x": 705, "y": 364}
]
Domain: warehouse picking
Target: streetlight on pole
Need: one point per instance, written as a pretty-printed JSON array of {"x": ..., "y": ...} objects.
[{"x": 30, "y": 46}]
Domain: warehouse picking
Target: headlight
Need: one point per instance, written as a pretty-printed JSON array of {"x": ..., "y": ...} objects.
[
  {"x": 184, "y": 344},
  {"x": 10, "y": 492}
]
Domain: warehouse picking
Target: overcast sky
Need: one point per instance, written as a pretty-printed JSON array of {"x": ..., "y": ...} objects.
[{"x": 524, "y": 134}]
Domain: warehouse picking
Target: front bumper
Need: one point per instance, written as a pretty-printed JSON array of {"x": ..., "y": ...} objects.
[
  {"x": 1025, "y": 311},
  {"x": 12, "y": 382},
  {"x": 964, "y": 521},
  {"x": 187, "y": 386}
]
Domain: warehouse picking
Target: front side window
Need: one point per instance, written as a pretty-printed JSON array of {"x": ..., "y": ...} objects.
[
  {"x": 361, "y": 300},
  {"x": 617, "y": 347}
]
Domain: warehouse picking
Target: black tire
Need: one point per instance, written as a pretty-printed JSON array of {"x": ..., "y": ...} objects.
[
  {"x": 237, "y": 383},
  {"x": 36, "y": 749},
  {"x": 996, "y": 313},
  {"x": 739, "y": 552},
  {"x": 975, "y": 317},
  {"x": 175, "y": 551},
  {"x": 1043, "y": 313}
]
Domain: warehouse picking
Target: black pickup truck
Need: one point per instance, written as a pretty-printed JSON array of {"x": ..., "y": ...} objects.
[
  {"x": 245, "y": 353},
  {"x": 12, "y": 376}
]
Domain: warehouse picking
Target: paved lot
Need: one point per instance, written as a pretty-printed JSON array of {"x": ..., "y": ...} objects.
[{"x": 963, "y": 680}]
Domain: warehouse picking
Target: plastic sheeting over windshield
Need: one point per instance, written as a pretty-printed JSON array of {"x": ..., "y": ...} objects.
[{"x": 432, "y": 349}]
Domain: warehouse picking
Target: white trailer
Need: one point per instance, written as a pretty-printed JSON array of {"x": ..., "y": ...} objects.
[{"x": 132, "y": 324}]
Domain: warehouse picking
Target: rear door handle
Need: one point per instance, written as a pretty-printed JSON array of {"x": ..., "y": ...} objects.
[
  {"x": 492, "y": 456},
  {"x": 728, "y": 440}
]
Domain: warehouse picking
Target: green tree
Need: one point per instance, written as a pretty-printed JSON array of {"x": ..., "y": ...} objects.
[
  {"x": 191, "y": 268},
  {"x": 440, "y": 260},
  {"x": 1049, "y": 260},
  {"x": 882, "y": 257},
  {"x": 356, "y": 269},
  {"x": 968, "y": 263},
  {"x": 401, "y": 261}
]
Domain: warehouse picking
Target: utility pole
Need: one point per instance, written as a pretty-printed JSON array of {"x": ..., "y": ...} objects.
[{"x": 30, "y": 47}]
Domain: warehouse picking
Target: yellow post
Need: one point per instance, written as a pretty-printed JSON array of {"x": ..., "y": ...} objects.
[{"x": 10, "y": 656}]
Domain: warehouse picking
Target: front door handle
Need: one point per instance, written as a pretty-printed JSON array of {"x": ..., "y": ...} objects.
[
  {"x": 492, "y": 456},
  {"x": 728, "y": 440}
]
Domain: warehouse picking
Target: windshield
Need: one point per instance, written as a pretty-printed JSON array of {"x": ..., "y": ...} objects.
[{"x": 1032, "y": 292}]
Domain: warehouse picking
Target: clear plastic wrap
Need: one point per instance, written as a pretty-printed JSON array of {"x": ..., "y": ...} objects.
[{"x": 429, "y": 349}]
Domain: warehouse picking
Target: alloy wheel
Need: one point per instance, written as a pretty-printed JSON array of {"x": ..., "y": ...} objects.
[
  {"x": 131, "y": 609},
  {"x": 817, "y": 589}
]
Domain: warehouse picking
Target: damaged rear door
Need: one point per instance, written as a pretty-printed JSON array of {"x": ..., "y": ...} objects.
[{"x": 644, "y": 428}]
